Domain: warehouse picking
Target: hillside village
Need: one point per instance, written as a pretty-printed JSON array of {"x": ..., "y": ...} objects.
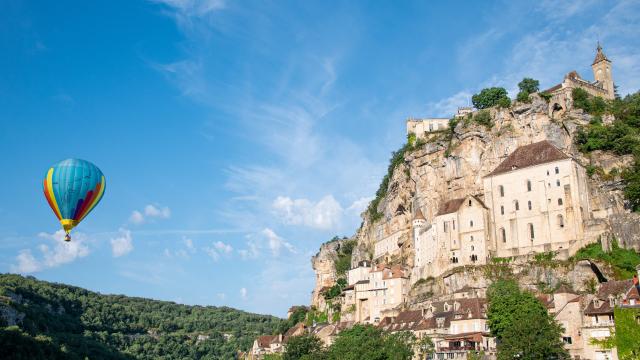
[{"x": 469, "y": 203}]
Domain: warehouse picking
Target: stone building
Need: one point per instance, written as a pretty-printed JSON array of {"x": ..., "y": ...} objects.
[
  {"x": 538, "y": 202},
  {"x": 602, "y": 85},
  {"x": 422, "y": 127}
]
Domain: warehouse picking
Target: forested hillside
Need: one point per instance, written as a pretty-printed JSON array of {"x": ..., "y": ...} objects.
[{"x": 42, "y": 320}]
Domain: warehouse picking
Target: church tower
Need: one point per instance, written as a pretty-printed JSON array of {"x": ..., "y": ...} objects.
[{"x": 602, "y": 72}]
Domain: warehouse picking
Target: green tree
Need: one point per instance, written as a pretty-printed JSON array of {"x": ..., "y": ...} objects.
[
  {"x": 425, "y": 347},
  {"x": 529, "y": 85},
  {"x": 521, "y": 324},
  {"x": 299, "y": 346},
  {"x": 489, "y": 97},
  {"x": 369, "y": 342}
]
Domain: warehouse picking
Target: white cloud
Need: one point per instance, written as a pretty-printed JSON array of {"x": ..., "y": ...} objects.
[
  {"x": 276, "y": 243},
  {"x": 222, "y": 247},
  {"x": 447, "y": 107},
  {"x": 243, "y": 293},
  {"x": 122, "y": 244},
  {"x": 251, "y": 252},
  {"x": 61, "y": 252},
  {"x": 157, "y": 212},
  {"x": 194, "y": 7},
  {"x": 324, "y": 214},
  {"x": 218, "y": 249},
  {"x": 360, "y": 205},
  {"x": 149, "y": 212},
  {"x": 136, "y": 217}
]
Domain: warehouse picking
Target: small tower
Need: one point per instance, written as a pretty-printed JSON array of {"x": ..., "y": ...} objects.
[
  {"x": 419, "y": 223},
  {"x": 602, "y": 71}
]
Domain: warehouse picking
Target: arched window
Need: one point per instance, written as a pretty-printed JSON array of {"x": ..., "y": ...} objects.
[
  {"x": 532, "y": 234},
  {"x": 517, "y": 205},
  {"x": 557, "y": 170},
  {"x": 503, "y": 235},
  {"x": 528, "y": 185},
  {"x": 559, "y": 201},
  {"x": 560, "y": 220},
  {"x": 501, "y": 210},
  {"x": 501, "y": 190},
  {"x": 529, "y": 204}
]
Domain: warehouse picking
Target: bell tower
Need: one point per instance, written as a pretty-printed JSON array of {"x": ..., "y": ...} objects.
[{"x": 602, "y": 71}]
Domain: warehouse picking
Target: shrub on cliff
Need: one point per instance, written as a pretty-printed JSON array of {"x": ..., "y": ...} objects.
[
  {"x": 483, "y": 118},
  {"x": 490, "y": 97}
]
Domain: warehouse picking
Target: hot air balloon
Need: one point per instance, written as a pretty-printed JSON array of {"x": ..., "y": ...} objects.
[{"x": 73, "y": 187}]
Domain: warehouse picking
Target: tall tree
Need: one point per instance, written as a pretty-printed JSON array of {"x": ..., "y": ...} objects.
[
  {"x": 303, "y": 345},
  {"x": 521, "y": 324},
  {"x": 489, "y": 97}
]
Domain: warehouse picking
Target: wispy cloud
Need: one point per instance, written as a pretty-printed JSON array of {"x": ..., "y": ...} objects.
[
  {"x": 324, "y": 214},
  {"x": 52, "y": 255}
]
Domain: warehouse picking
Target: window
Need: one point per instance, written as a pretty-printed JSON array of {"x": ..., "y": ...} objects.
[
  {"x": 517, "y": 205},
  {"x": 503, "y": 235},
  {"x": 557, "y": 182},
  {"x": 557, "y": 170},
  {"x": 471, "y": 239},
  {"x": 559, "y": 201},
  {"x": 469, "y": 202},
  {"x": 471, "y": 223},
  {"x": 501, "y": 210},
  {"x": 532, "y": 234},
  {"x": 471, "y": 247},
  {"x": 528, "y": 185},
  {"x": 560, "y": 220},
  {"x": 529, "y": 204},
  {"x": 454, "y": 224},
  {"x": 430, "y": 127},
  {"x": 567, "y": 340},
  {"x": 444, "y": 224},
  {"x": 501, "y": 190},
  {"x": 547, "y": 172}
]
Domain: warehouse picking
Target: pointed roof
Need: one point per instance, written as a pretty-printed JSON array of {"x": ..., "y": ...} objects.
[
  {"x": 600, "y": 56},
  {"x": 419, "y": 215},
  {"x": 529, "y": 155}
]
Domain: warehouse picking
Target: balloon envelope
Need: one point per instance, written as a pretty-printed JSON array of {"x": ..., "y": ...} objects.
[{"x": 73, "y": 187}]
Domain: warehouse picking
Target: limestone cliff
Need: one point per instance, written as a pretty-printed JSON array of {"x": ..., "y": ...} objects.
[{"x": 452, "y": 163}]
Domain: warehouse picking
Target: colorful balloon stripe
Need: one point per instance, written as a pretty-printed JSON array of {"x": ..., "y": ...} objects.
[{"x": 73, "y": 188}]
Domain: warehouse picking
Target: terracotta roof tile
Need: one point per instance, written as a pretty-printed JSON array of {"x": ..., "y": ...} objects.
[
  {"x": 450, "y": 206},
  {"x": 529, "y": 155},
  {"x": 419, "y": 215}
]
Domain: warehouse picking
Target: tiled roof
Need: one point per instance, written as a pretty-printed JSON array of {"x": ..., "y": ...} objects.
[
  {"x": 265, "y": 340},
  {"x": 419, "y": 215},
  {"x": 529, "y": 155},
  {"x": 615, "y": 289},
  {"x": 395, "y": 272}
]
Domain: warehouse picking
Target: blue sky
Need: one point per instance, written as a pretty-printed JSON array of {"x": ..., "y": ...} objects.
[{"x": 236, "y": 137}]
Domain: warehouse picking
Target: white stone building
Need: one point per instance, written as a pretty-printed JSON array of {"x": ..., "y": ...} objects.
[{"x": 538, "y": 202}]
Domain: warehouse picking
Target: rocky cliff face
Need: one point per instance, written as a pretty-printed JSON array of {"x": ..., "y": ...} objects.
[
  {"x": 452, "y": 165},
  {"x": 323, "y": 264}
]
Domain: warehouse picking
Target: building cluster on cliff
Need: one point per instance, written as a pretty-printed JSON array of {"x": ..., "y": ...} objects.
[{"x": 535, "y": 201}]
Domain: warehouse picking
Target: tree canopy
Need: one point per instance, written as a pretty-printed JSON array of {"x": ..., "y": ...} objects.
[
  {"x": 521, "y": 324},
  {"x": 489, "y": 97},
  {"x": 72, "y": 323}
]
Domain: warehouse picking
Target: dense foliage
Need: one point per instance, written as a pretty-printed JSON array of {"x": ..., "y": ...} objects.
[
  {"x": 521, "y": 324},
  {"x": 303, "y": 346},
  {"x": 527, "y": 87},
  {"x": 69, "y": 322},
  {"x": 622, "y": 261},
  {"x": 489, "y": 97},
  {"x": 627, "y": 333},
  {"x": 483, "y": 117},
  {"x": 397, "y": 158},
  {"x": 622, "y": 136}
]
